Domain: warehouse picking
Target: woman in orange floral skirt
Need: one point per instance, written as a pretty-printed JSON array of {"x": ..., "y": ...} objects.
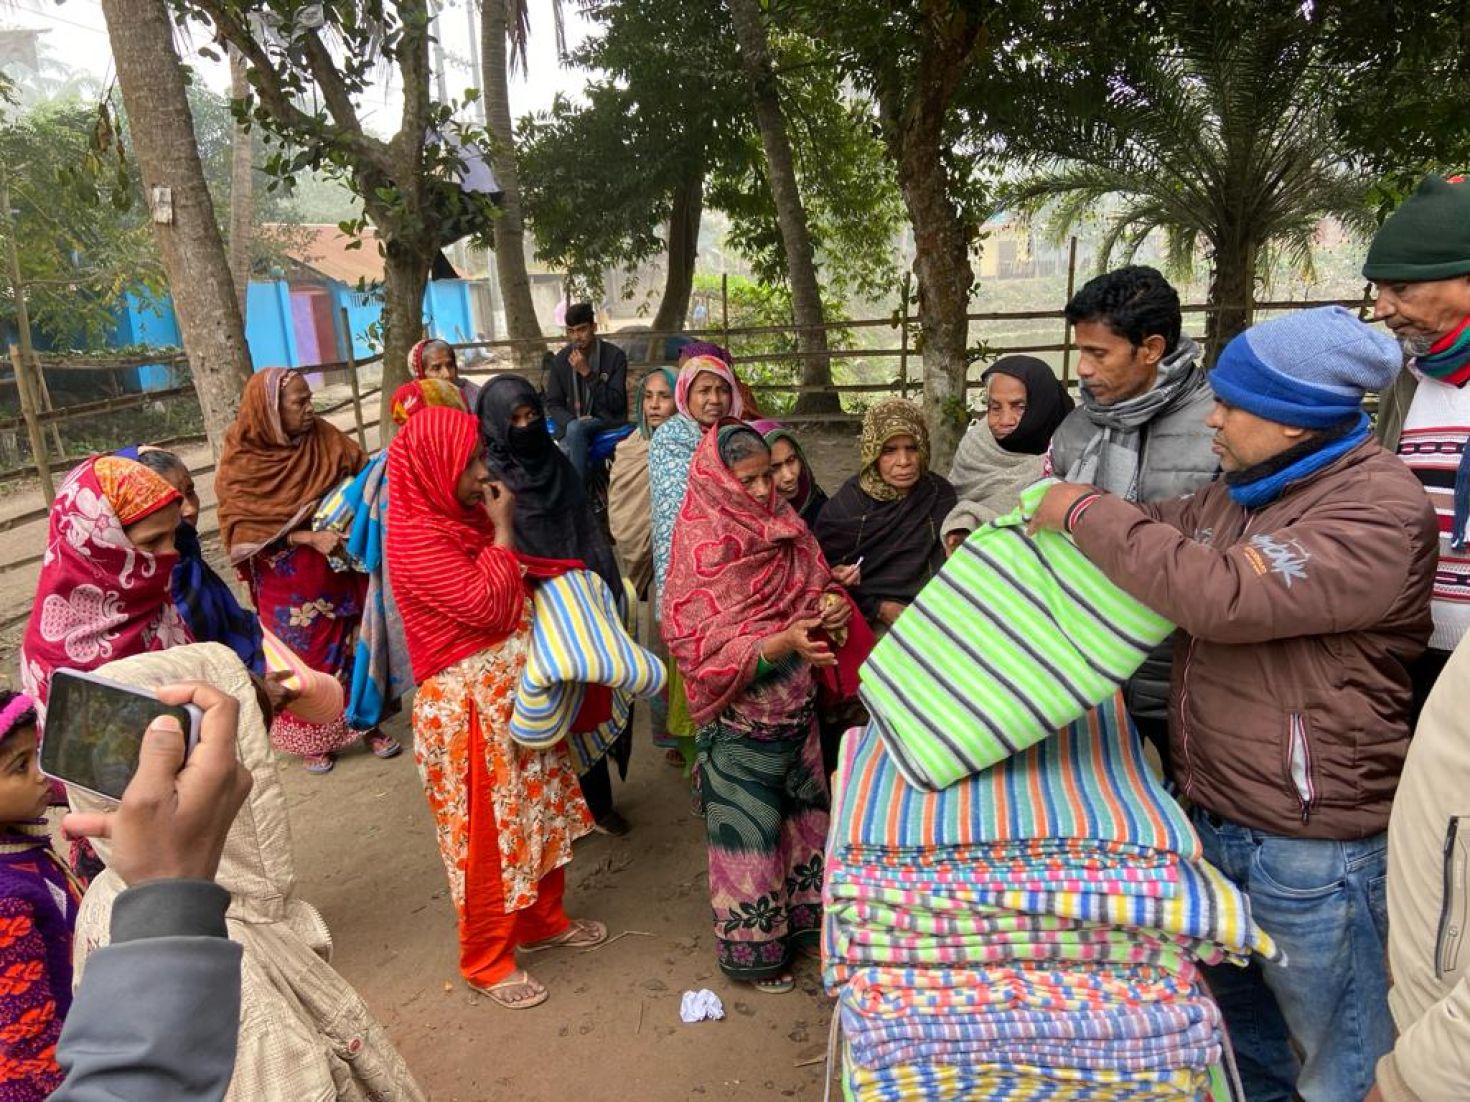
[{"x": 506, "y": 816}]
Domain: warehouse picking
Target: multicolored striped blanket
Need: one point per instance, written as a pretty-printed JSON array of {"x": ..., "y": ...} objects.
[
  {"x": 1089, "y": 781},
  {"x": 1015, "y": 637},
  {"x": 578, "y": 638}
]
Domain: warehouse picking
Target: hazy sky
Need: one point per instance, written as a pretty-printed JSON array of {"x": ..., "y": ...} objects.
[{"x": 77, "y": 38}]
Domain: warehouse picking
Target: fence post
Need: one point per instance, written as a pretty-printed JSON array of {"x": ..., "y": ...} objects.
[
  {"x": 725, "y": 311},
  {"x": 1067, "y": 325},
  {"x": 903, "y": 337},
  {"x": 33, "y": 426},
  {"x": 352, "y": 381}
]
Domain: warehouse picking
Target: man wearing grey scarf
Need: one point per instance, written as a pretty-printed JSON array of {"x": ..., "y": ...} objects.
[{"x": 1140, "y": 429}]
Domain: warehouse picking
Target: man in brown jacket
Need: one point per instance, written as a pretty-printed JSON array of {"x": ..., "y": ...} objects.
[{"x": 1301, "y": 583}]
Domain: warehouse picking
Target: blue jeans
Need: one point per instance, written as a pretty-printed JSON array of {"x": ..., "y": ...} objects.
[
  {"x": 578, "y": 441},
  {"x": 1325, "y": 904}
]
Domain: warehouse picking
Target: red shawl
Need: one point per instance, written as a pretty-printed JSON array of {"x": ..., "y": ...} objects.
[
  {"x": 267, "y": 484},
  {"x": 99, "y": 597},
  {"x": 740, "y": 571}
]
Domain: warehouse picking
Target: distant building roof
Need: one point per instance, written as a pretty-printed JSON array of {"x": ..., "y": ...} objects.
[{"x": 327, "y": 251}]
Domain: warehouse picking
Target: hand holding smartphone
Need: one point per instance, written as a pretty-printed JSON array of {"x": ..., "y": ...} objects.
[{"x": 94, "y": 730}]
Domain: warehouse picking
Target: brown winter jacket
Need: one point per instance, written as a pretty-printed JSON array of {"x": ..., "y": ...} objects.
[{"x": 1288, "y": 710}]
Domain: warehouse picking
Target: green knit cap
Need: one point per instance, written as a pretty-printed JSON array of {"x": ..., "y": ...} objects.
[{"x": 1427, "y": 238}]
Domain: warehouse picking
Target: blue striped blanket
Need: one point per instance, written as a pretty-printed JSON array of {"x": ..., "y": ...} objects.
[{"x": 579, "y": 638}]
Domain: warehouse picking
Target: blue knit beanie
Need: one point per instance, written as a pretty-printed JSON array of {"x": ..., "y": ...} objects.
[{"x": 1308, "y": 369}]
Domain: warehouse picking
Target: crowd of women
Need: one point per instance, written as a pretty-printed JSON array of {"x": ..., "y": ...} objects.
[{"x": 416, "y": 567}]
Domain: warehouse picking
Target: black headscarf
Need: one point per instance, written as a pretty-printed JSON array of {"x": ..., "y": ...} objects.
[
  {"x": 553, "y": 518},
  {"x": 1047, "y": 403}
]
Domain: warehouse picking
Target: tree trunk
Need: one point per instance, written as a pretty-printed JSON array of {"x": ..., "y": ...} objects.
[
  {"x": 189, "y": 242},
  {"x": 683, "y": 252},
  {"x": 1233, "y": 289},
  {"x": 780, "y": 171},
  {"x": 405, "y": 278},
  {"x": 510, "y": 240},
  {"x": 242, "y": 187},
  {"x": 945, "y": 278}
]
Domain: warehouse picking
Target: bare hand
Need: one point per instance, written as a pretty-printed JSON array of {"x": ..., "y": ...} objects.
[
  {"x": 799, "y": 639},
  {"x": 325, "y": 543},
  {"x": 954, "y": 539},
  {"x": 500, "y": 505},
  {"x": 579, "y": 361},
  {"x": 278, "y": 692},
  {"x": 890, "y": 611},
  {"x": 849, "y": 575},
  {"x": 175, "y": 814},
  {"x": 1051, "y": 514},
  {"x": 836, "y": 614},
  {"x": 1374, "y": 1095}
]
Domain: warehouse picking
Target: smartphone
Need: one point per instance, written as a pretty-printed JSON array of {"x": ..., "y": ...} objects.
[{"x": 94, "y": 730}]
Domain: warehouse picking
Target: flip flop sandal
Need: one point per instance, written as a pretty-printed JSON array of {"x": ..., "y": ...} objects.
[
  {"x": 778, "y": 986},
  {"x": 320, "y": 763},
  {"x": 583, "y": 933},
  {"x": 384, "y": 746},
  {"x": 516, "y": 979}
]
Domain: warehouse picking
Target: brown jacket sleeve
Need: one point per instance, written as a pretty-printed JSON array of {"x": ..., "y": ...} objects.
[{"x": 1340, "y": 568}]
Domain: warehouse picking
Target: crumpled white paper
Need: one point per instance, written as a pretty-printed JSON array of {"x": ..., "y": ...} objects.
[{"x": 701, "y": 1005}]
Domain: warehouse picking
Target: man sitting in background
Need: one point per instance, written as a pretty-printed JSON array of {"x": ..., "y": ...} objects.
[{"x": 587, "y": 387}]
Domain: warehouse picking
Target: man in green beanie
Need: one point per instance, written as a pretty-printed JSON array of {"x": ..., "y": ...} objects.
[
  {"x": 1420, "y": 264},
  {"x": 1420, "y": 261}
]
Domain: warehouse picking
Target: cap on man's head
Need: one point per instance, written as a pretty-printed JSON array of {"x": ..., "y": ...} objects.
[
  {"x": 1425, "y": 239},
  {"x": 580, "y": 313},
  {"x": 1309, "y": 369}
]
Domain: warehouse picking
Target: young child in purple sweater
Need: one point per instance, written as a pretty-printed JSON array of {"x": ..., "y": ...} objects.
[{"x": 38, "y": 911}]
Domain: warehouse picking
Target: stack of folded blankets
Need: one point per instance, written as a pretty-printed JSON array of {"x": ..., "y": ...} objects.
[{"x": 1030, "y": 931}]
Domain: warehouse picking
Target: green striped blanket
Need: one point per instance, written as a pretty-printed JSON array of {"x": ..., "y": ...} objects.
[{"x": 1015, "y": 638}]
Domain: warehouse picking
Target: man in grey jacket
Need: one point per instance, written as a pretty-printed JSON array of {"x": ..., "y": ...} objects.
[
  {"x": 1140, "y": 431},
  {"x": 157, "y": 1014}
]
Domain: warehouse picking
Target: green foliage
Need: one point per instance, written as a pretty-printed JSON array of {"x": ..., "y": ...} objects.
[
  {"x": 78, "y": 225},
  {"x": 1218, "y": 134},
  {"x": 599, "y": 177}
]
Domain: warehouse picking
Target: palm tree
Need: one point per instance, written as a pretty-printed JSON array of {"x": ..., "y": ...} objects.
[{"x": 1221, "y": 137}]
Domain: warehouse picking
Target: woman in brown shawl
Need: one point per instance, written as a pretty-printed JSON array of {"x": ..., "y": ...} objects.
[
  {"x": 279, "y": 460},
  {"x": 881, "y": 531}
]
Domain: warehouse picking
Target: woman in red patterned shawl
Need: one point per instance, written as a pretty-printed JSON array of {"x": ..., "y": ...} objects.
[
  {"x": 746, "y": 609},
  {"x": 105, "y": 585}
]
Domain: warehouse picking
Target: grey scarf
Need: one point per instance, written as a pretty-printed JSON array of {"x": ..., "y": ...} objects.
[{"x": 1113, "y": 459}]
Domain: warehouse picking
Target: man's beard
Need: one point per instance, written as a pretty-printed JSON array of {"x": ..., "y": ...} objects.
[{"x": 1417, "y": 345}]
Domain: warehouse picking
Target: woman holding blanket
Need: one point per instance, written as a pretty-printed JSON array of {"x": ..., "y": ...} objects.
[
  {"x": 746, "y": 604},
  {"x": 506, "y": 816},
  {"x": 278, "y": 462}
]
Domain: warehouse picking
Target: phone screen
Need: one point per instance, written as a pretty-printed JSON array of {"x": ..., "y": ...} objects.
[{"x": 94, "y": 731}]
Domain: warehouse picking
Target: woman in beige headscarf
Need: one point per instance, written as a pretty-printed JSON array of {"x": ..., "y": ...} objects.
[{"x": 305, "y": 1034}]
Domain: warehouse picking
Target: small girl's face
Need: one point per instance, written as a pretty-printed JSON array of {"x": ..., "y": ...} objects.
[{"x": 24, "y": 792}]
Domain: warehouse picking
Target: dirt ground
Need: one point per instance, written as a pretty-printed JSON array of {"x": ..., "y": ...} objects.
[{"x": 366, "y": 858}]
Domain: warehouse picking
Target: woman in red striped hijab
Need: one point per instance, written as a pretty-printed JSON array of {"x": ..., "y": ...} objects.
[{"x": 506, "y": 816}]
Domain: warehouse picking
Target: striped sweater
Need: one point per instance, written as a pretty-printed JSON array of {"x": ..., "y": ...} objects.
[{"x": 1433, "y": 440}]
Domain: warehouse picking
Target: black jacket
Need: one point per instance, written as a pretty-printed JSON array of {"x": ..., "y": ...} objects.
[{"x": 603, "y": 394}]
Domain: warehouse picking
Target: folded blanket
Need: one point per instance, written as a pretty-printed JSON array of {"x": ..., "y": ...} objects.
[
  {"x": 578, "y": 638},
  {"x": 1123, "y": 1024},
  {"x": 1088, "y": 781},
  {"x": 1015, "y": 637}
]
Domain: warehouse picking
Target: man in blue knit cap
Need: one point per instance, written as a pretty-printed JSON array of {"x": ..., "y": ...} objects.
[{"x": 1301, "y": 583}]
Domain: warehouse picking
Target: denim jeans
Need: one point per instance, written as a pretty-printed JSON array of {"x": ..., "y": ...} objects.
[
  {"x": 1325, "y": 904},
  {"x": 578, "y": 441}
]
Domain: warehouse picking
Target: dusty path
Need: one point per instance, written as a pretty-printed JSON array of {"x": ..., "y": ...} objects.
[{"x": 366, "y": 857}]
